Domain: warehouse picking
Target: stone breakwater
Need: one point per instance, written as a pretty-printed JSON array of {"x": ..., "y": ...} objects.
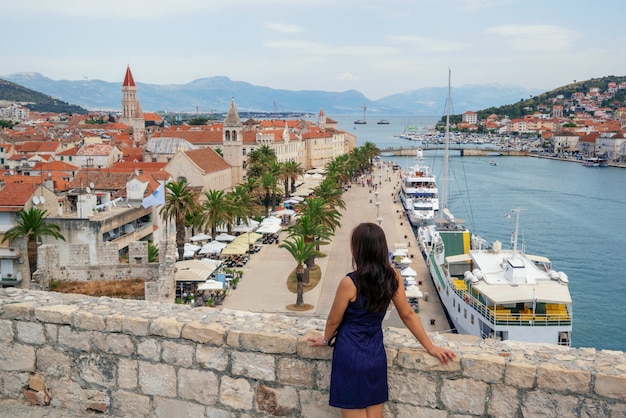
[{"x": 139, "y": 359}]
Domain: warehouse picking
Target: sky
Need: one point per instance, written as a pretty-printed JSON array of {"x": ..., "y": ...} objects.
[{"x": 377, "y": 47}]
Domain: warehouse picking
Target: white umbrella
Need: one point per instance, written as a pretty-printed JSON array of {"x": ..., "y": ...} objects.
[
  {"x": 213, "y": 247},
  {"x": 211, "y": 285},
  {"x": 407, "y": 272},
  {"x": 413, "y": 292},
  {"x": 406, "y": 260},
  {"x": 268, "y": 229},
  {"x": 293, "y": 200},
  {"x": 400, "y": 252},
  {"x": 191, "y": 247},
  {"x": 283, "y": 212},
  {"x": 225, "y": 237},
  {"x": 201, "y": 237}
]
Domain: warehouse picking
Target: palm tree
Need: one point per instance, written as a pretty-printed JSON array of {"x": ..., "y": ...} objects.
[
  {"x": 371, "y": 151},
  {"x": 293, "y": 170},
  {"x": 32, "y": 225},
  {"x": 270, "y": 191},
  {"x": 180, "y": 200},
  {"x": 216, "y": 210},
  {"x": 310, "y": 231},
  {"x": 300, "y": 251},
  {"x": 322, "y": 213},
  {"x": 243, "y": 204},
  {"x": 331, "y": 192}
]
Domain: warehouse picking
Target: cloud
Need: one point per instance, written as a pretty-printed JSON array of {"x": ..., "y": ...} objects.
[
  {"x": 346, "y": 76},
  {"x": 281, "y": 27},
  {"x": 427, "y": 44},
  {"x": 316, "y": 48},
  {"x": 535, "y": 37}
]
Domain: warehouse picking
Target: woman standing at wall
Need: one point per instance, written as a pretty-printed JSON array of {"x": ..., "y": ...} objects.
[{"x": 358, "y": 383}]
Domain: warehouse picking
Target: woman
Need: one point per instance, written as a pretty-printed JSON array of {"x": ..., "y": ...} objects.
[{"x": 358, "y": 382}]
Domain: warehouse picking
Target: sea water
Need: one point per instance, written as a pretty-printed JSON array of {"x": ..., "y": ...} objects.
[{"x": 572, "y": 214}]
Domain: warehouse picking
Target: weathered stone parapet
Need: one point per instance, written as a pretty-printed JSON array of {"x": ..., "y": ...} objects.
[{"x": 140, "y": 359}]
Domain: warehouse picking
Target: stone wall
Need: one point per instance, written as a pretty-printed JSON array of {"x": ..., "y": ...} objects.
[{"x": 139, "y": 359}]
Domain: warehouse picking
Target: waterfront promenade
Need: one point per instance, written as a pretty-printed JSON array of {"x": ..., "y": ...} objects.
[{"x": 263, "y": 287}]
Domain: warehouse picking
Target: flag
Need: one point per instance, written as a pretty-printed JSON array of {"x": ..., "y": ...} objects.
[{"x": 156, "y": 198}]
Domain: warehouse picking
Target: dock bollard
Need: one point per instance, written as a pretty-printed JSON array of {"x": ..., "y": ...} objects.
[{"x": 432, "y": 322}]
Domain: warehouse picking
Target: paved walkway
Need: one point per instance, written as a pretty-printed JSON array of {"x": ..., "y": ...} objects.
[{"x": 263, "y": 287}]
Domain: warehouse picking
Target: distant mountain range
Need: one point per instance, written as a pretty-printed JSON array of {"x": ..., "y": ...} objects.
[{"x": 215, "y": 94}]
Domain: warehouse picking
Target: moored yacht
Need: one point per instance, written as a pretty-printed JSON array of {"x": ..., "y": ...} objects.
[{"x": 418, "y": 192}]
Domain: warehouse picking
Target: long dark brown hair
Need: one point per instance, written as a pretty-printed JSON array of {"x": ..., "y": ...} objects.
[{"x": 375, "y": 277}]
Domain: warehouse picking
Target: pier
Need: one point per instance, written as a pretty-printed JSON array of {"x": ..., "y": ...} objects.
[{"x": 465, "y": 151}]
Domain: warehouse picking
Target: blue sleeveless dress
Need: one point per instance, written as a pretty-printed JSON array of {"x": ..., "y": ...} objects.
[{"x": 358, "y": 376}]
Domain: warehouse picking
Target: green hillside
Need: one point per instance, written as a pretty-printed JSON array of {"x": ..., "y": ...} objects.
[{"x": 35, "y": 101}]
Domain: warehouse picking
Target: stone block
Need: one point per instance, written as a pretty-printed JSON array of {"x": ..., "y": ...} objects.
[
  {"x": 37, "y": 383},
  {"x": 135, "y": 325},
  {"x": 236, "y": 393},
  {"x": 175, "y": 408},
  {"x": 560, "y": 379},
  {"x": 157, "y": 379},
  {"x": 128, "y": 404},
  {"x": 17, "y": 357},
  {"x": 56, "y": 314},
  {"x": 291, "y": 371},
  {"x": 304, "y": 350},
  {"x": 127, "y": 374},
  {"x": 12, "y": 384},
  {"x": 618, "y": 410},
  {"x": 76, "y": 340},
  {"x": 253, "y": 365},
  {"x": 419, "y": 359},
  {"x": 412, "y": 388},
  {"x": 53, "y": 363},
  {"x": 177, "y": 354},
  {"x": 232, "y": 339},
  {"x": 23, "y": 311},
  {"x": 215, "y": 358},
  {"x": 322, "y": 378},
  {"x": 198, "y": 385},
  {"x": 6, "y": 331},
  {"x": 611, "y": 386},
  {"x": 488, "y": 368},
  {"x": 166, "y": 327},
  {"x": 503, "y": 402},
  {"x": 149, "y": 349},
  {"x": 549, "y": 405},
  {"x": 30, "y": 333},
  {"x": 266, "y": 342},
  {"x": 276, "y": 401},
  {"x": 214, "y": 334},
  {"x": 88, "y": 321},
  {"x": 213, "y": 412},
  {"x": 412, "y": 411},
  {"x": 464, "y": 396},
  {"x": 52, "y": 333},
  {"x": 114, "y": 323},
  {"x": 119, "y": 344},
  {"x": 315, "y": 404},
  {"x": 97, "y": 369},
  {"x": 520, "y": 375}
]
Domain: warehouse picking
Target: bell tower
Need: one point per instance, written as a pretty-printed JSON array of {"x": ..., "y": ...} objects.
[{"x": 232, "y": 140}]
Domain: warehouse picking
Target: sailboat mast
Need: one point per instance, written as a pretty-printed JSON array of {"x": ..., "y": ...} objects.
[{"x": 446, "y": 150}]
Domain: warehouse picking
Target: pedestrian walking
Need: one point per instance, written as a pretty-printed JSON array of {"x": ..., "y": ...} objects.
[{"x": 358, "y": 382}]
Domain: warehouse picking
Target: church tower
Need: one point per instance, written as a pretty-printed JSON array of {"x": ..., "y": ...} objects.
[
  {"x": 132, "y": 115},
  {"x": 232, "y": 140},
  {"x": 321, "y": 119}
]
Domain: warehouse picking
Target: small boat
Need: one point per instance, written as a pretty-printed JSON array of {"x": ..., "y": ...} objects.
[
  {"x": 360, "y": 122},
  {"x": 383, "y": 122},
  {"x": 492, "y": 162}
]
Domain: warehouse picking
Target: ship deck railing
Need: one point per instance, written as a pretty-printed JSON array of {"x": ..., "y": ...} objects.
[{"x": 501, "y": 316}]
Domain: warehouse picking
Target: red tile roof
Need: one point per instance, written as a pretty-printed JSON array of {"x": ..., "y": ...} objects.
[
  {"x": 207, "y": 160},
  {"x": 128, "y": 79},
  {"x": 14, "y": 196}
]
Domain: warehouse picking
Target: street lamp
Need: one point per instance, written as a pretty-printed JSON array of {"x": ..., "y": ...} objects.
[{"x": 380, "y": 220}]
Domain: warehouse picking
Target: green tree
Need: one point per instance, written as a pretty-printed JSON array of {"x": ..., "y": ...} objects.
[
  {"x": 180, "y": 201},
  {"x": 300, "y": 251},
  {"x": 371, "y": 151},
  {"x": 31, "y": 224},
  {"x": 331, "y": 192},
  {"x": 216, "y": 210},
  {"x": 311, "y": 231}
]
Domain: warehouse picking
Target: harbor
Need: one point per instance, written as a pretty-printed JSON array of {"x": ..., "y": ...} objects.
[{"x": 263, "y": 287}]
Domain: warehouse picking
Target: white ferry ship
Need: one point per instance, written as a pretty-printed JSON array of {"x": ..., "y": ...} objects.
[{"x": 418, "y": 192}]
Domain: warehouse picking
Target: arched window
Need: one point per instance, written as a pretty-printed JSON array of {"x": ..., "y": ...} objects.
[
  {"x": 234, "y": 135},
  {"x": 227, "y": 135}
]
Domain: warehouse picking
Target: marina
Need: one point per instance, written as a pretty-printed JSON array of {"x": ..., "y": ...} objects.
[{"x": 572, "y": 214}]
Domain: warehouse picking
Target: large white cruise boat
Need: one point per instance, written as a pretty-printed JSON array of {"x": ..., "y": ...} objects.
[
  {"x": 418, "y": 192},
  {"x": 493, "y": 292}
]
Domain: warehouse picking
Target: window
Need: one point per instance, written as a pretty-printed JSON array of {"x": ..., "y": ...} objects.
[
  {"x": 465, "y": 313},
  {"x": 472, "y": 319}
]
